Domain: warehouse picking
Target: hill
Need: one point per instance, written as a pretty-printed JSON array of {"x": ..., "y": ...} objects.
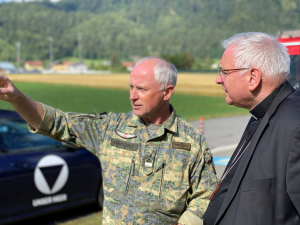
[{"x": 135, "y": 27}]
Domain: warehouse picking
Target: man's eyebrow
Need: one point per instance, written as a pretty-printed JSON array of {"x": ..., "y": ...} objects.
[{"x": 138, "y": 86}]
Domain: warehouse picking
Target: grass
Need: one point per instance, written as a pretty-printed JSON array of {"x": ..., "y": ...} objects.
[
  {"x": 86, "y": 99},
  {"x": 92, "y": 219},
  {"x": 191, "y": 107}
]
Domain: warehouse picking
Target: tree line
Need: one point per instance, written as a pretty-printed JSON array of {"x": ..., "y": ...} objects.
[{"x": 186, "y": 32}]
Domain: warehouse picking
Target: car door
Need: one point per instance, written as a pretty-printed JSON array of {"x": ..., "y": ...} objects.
[
  {"x": 4, "y": 169},
  {"x": 41, "y": 174}
]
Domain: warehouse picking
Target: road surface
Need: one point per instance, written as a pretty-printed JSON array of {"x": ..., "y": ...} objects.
[{"x": 223, "y": 135}]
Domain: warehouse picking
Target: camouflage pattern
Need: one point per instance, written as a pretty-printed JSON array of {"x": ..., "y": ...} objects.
[{"x": 137, "y": 192}]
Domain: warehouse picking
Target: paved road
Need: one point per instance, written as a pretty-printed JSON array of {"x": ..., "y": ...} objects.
[{"x": 223, "y": 135}]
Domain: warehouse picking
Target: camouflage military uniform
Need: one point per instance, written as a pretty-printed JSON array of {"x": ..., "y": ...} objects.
[{"x": 146, "y": 178}]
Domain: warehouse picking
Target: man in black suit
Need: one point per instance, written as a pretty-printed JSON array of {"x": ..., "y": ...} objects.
[{"x": 261, "y": 183}]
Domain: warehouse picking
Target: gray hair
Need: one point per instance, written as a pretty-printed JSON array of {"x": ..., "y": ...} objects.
[
  {"x": 165, "y": 73},
  {"x": 255, "y": 49}
]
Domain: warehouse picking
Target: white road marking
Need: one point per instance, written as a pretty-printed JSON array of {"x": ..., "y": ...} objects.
[{"x": 223, "y": 148}]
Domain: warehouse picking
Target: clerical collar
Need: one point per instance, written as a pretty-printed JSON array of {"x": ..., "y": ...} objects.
[{"x": 260, "y": 110}]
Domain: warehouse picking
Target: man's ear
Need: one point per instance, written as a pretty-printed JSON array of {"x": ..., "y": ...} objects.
[
  {"x": 255, "y": 78},
  {"x": 168, "y": 92}
]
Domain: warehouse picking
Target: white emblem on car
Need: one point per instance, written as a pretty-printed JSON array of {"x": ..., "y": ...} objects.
[{"x": 42, "y": 170}]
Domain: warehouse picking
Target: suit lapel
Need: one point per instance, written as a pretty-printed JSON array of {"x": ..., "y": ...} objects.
[
  {"x": 285, "y": 91},
  {"x": 235, "y": 183}
]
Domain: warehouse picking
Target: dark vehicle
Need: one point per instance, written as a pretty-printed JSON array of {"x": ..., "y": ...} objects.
[
  {"x": 291, "y": 39},
  {"x": 39, "y": 175}
]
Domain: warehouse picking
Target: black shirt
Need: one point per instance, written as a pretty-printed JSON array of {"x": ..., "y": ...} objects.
[{"x": 257, "y": 114}]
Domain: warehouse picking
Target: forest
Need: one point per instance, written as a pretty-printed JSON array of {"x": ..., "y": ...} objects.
[{"x": 188, "y": 30}]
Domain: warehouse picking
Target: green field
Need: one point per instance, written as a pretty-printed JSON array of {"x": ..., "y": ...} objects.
[
  {"x": 86, "y": 99},
  {"x": 92, "y": 219}
]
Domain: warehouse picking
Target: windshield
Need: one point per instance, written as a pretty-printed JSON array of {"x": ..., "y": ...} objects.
[
  {"x": 294, "y": 76},
  {"x": 15, "y": 136}
]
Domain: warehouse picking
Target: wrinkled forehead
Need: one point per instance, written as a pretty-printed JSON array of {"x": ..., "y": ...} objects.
[
  {"x": 142, "y": 73},
  {"x": 228, "y": 58},
  {"x": 145, "y": 69}
]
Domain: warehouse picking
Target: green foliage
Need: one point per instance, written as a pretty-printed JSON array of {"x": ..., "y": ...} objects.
[
  {"x": 207, "y": 63},
  {"x": 181, "y": 61},
  {"x": 187, "y": 61},
  {"x": 115, "y": 61},
  {"x": 116, "y": 65},
  {"x": 7, "y": 51},
  {"x": 85, "y": 100},
  {"x": 135, "y": 27},
  {"x": 99, "y": 67},
  {"x": 118, "y": 69},
  {"x": 197, "y": 65}
]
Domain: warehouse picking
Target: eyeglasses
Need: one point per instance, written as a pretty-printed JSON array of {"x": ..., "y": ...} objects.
[{"x": 229, "y": 71}]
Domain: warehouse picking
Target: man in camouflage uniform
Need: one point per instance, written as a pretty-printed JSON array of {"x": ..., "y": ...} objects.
[{"x": 151, "y": 158}]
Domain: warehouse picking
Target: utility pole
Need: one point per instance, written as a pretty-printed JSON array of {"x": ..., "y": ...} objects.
[
  {"x": 18, "y": 59},
  {"x": 50, "y": 51},
  {"x": 79, "y": 37}
]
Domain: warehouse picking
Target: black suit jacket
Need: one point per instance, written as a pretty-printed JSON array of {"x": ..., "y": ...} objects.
[{"x": 266, "y": 186}]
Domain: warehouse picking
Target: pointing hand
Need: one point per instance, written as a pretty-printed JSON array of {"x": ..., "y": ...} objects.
[{"x": 8, "y": 92}]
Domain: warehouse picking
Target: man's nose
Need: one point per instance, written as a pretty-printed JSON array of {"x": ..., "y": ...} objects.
[
  {"x": 133, "y": 94},
  {"x": 219, "y": 79}
]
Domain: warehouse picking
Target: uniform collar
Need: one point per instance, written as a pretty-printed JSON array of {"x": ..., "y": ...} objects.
[
  {"x": 137, "y": 126},
  {"x": 171, "y": 123}
]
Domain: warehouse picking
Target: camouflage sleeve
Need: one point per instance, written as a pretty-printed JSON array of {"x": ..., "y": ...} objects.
[
  {"x": 188, "y": 218},
  {"x": 84, "y": 130},
  {"x": 203, "y": 180}
]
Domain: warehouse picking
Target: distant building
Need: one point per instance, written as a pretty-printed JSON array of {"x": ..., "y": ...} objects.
[
  {"x": 67, "y": 63},
  {"x": 34, "y": 65},
  {"x": 107, "y": 63},
  {"x": 214, "y": 66},
  {"x": 64, "y": 66},
  {"x": 129, "y": 65},
  {"x": 78, "y": 67},
  {"x": 6, "y": 67}
]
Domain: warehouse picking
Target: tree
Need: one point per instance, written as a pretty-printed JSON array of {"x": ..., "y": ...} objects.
[
  {"x": 207, "y": 63},
  {"x": 181, "y": 61},
  {"x": 197, "y": 64},
  {"x": 115, "y": 61}
]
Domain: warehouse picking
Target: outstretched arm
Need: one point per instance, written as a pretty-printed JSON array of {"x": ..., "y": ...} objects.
[{"x": 31, "y": 111}]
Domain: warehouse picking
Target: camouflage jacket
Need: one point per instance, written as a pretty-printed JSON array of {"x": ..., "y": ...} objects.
[{"x": 146, "y": 179}]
